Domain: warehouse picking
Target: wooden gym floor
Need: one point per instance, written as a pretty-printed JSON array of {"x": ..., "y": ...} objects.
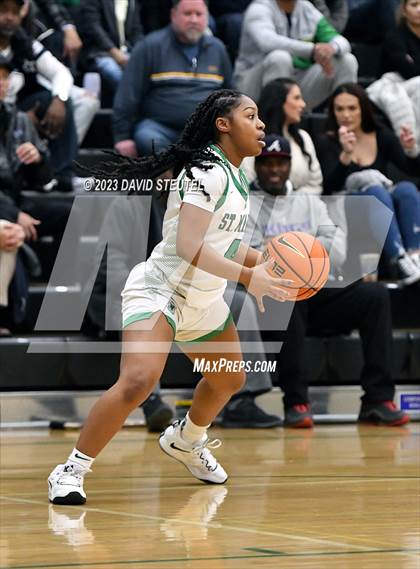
[{"x": 337, "y": 497}]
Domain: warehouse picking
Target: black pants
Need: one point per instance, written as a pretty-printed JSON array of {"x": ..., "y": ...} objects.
[
  {"x": 53, "y": 216},
  {"x": 361, "y": 306}
]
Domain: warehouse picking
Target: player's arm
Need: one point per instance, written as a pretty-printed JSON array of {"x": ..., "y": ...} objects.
[
  {"x": 190, "y": 245},
  {"x": 248, "y": 256}
]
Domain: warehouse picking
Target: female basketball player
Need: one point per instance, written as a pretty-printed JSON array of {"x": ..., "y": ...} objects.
[{"x": 178, "y": 293}]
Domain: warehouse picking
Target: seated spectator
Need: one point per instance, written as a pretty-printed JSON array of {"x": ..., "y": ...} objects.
[
  {"x": 85, "y": 104},
  {"x": 281, "y": 107},
  {"x": 170, "y": 71},
  {"x": 24, "y": 164},
  {"x": 11, "y": 238},
  {"x": 229, "y": 17},
  {"x": 397, "y": 93},
  {"x": 46, "y": 90},
  {"x": 363, "y": 305},
  {"x": 65, "y": 43},
  {"x": 109, "y": 30},
  {"x": 336, "y": 12},
  {"x": 291, "y": 38},
  {"x": 354, "y": 155},
  {"x": 370, "y": 20}
]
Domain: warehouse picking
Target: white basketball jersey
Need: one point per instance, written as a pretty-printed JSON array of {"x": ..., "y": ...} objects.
[{"x": 224, "y": 192}]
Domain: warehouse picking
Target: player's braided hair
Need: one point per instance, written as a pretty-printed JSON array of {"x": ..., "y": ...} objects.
[{"x": 190, "y": 150}]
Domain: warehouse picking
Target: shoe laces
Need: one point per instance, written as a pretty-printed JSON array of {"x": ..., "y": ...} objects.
[
  {"x": 203, "y": 453},
  {"x": 72, "y": 476}
]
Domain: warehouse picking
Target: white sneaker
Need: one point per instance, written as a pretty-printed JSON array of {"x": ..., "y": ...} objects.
[
  {"x": 65, "y": 485},
  {"x": 409, "y": 272},
  {"x": 197, "y": 458}
]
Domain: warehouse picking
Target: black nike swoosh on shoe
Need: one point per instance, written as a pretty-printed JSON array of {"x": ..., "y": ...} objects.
[
  {"x": 81, "y": 457},
  {"x": 172, "y": 445}
]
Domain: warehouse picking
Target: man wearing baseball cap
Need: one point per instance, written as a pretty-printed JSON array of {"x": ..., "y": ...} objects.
[{"x": 275, "y": 209}]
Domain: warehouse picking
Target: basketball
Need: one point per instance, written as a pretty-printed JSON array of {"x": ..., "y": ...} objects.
[{"x": 299, "y": 257}]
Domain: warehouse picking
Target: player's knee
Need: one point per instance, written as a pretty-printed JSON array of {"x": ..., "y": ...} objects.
[
  {"x": 237, "y": 381},
  {"x": 137, "y": 382}
]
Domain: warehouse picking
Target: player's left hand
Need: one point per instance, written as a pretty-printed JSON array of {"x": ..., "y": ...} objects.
[{"x": 263, "y": 284}]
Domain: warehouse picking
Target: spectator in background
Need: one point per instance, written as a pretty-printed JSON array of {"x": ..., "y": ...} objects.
[
  {"x": 85, "y": 104},
  {"x": 363, "y": 306},
  {"x": 66, "y": 44},
  {"x": 229, "y": 17},
  {"x": 370, "y": 20},
  {"x": 397, "y": 93},
  {"x": 109, "y": 29},
  {"x": 170, "y": 71},
  {"x": 291, "y": 38},
  {"x": 354, "y": 155},
  {"x": 281, "y": 107},
  {"x": 46, "y": 89},
  {"x": 11, "y": 239},
  {"x": 24, "y": 164},
  {"x": 335, "y": 11}
]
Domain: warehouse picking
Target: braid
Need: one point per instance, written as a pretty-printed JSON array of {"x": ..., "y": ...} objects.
[{"x": 188, "y": 152}]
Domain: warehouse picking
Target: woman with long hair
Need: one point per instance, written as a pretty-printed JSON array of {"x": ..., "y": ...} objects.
[
  {"x": 355, "y": 143},
  {"x": 281, "y": 107},
  {"x": 177, "y": 294}
]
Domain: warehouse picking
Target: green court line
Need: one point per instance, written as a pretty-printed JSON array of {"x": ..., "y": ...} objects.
[{"x": 219, "y": 558}]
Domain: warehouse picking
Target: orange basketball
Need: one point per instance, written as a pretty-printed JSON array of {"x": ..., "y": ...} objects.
[{"x": 300, "y": 257}]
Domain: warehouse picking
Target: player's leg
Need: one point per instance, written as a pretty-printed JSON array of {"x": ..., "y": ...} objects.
[
  {"x": 139, "y": 373},
  {"x": 187, "y": 440}
]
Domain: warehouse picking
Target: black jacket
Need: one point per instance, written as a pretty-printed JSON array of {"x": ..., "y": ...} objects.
[
  {"x": 401, "y": 51},
  {"x": 53, "y": 13},
  {"x": 99, "y": 30}
]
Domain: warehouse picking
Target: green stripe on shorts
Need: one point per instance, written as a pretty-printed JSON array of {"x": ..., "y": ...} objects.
[
  {"x": 210, "y": 335},
  {"x": 145, "y": 316}
]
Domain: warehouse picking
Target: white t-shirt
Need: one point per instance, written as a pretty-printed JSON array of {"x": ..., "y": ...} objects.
[{"x": 121, "y": 10}]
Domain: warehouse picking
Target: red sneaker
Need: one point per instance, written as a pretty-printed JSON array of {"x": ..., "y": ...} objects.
[{"x": 383, "y": 413}]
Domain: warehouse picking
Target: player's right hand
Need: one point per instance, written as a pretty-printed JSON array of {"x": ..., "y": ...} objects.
[{"x": 263, "y": 284}]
